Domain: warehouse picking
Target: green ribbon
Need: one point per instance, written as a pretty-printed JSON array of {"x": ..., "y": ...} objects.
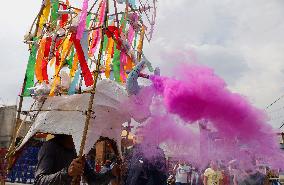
[
  {"x": 116, "y": 64},
  {"x": 54, "y": 11},
  {"x": 30, "y": 71},
  {"x": 70, "y": 59},
  {"x": 88, "y": 20}
]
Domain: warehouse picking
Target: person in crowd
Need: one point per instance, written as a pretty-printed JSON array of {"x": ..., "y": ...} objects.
[
  {"x": 251, "y": 177},
  {"x": 212, "y": 175},
  {"x": 58, "y": 164},
  {"x": 181, "y": 171},
  {"x": 225, "y": 175},
  {"x": 194, "y": 176},
  {"x": 143, "y": 169}
]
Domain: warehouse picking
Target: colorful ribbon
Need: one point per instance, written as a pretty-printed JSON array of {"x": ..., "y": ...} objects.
[
  {"x": 82, "y": 22},
  {"x": 40, "y": 57},
  {"x": 45, "y": 14},
  {"x": 45, "y": 59},
  {"x": 54, "y": 11},
  {"x": 116, "y": 65},
  {"x": 72, "y": 88},
  {"x": 64, "y": 17},
  {"x": 97, "y": 33},
  {"x": 109, "y": 56},
  {"x": 88, "y": 78},
  {"x": 74, "y": 65},
  {"x": 30, "y": 71}
]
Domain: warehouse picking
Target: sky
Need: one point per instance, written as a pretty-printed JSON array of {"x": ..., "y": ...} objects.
[{"x": 242, "y": 40}]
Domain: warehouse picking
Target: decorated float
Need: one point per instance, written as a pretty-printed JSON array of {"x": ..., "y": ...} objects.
[{"x": 83, "y": 63}]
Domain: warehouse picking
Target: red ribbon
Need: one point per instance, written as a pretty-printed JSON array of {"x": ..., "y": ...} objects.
[
  {"x": 64, "y": 17},
  {"x": 45, "y": 59},
  {"x": 115, "y": 32},
  {"x": 88, "y": 77},
  {"x": 57, "y": 53}
]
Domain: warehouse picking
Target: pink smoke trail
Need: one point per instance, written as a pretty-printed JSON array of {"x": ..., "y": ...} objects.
[
  {"x": 199, "y": 94},
  {"x": 238, "y": 130}
]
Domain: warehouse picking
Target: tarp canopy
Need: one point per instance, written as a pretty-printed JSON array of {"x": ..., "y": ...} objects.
[{"x": 67, "y": 115}]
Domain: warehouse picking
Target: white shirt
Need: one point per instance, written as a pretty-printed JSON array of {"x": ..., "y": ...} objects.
[{"x": 181, "y": 173}]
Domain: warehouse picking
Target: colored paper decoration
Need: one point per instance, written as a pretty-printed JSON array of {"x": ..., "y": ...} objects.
[
  {"x": 88, "y": 78},
  {"x": 30, "y": 71},
  {"x": 54, "y": 11},
  {"x": 83, "y": 17},
  {"x": 45, "y": 14},
  {"x": 68, "y": 37}
]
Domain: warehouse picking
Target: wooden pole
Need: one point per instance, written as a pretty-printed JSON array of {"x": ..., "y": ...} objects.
[
  {"x": 140, "y": 45},
  {"x": 76, "y": 180}
]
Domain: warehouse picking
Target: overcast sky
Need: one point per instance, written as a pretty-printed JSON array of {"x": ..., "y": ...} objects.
[{"x": 243, "y": 40}]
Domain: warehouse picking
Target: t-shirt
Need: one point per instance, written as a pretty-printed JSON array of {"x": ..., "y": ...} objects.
[
  {"x": 213, "y": 177},
  {"x": 181, "y": 173}
]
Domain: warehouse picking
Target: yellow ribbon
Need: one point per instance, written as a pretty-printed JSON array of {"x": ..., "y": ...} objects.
[
  {"x": 45, "y": 14},
  {"x": 109, "y": 53}
]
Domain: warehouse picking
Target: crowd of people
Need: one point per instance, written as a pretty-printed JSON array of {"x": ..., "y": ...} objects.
[
  {"x": 59, "y": 164},
  {"x": 220, "y": 174}
]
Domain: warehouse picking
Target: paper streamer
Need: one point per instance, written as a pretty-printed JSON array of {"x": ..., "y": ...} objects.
[
  {"x": 54, "y": 85},
  {"x": 72, "y": 88},
  {"x": 96, "y": 37},
  {"x": 109, "y": 56},
  {"x": 83, "y": 17},
  {"x": 85, "y": 44},
  {"x": 116, "y": 65},
  {"x": 54, "y": 11},
  {"x": 66, "y": 47},
  {"x": 45, "y": 59},
  {"x": 70, "y": 59},
  {"x": 97, "y": 34},
  {"x": 88, "y": 21},
  {"x": 57, "y": 53},
  {"x": 40, "y": 56},
  {"x": 123, "y": 60},
  {"x": 88, "y": 78},
  {"x": 74, "y": 65},
  {"x": 30, "y": 71},
  {"x": 64, "y": 17},
  {"x": 45, "y": 14}
]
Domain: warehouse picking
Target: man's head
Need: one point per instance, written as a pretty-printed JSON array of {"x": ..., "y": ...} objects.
[
  {"x": 65, "y": 140},
  {"x": 182, "y": 162},
  {"x": 213, "y": 165}
]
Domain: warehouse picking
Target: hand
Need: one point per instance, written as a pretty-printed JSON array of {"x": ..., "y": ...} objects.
[
  {"x": 76, "y": 167},
  {"x": 116, "y": 170}
]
